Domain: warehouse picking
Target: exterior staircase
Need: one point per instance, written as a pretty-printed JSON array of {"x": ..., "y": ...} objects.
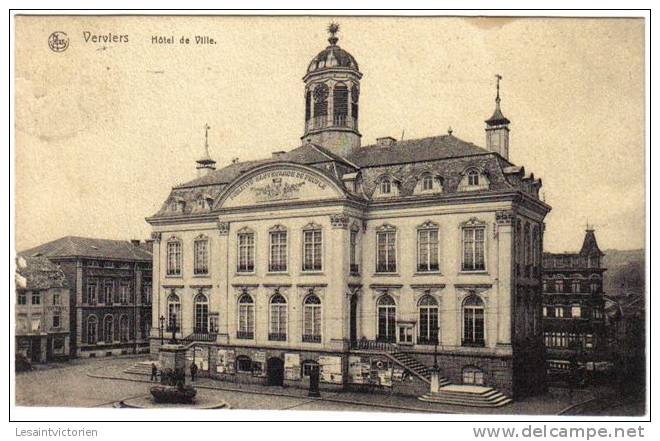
[
  {"x": 467, "y": 395},
  {"x": 413, "y": 365},
  {"x": 141, "y": 368}
]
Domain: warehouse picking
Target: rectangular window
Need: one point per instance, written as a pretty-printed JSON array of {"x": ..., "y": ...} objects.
[
  {"x": 386, "y": 252},
  {"x": 174, "y": 258},
  {"x": 246, "y": 252},
  {"x": 56, "y": 299},
  {"x": 56, "y": 320},
  {"x": 201, "y": 264},
  {"x": 354, "y": 267},
  {"x": 473, "y": 249},
  {"x": 576, "y": 311},
  {"x": 124, "y": 294},
  {"x": 36, "y": 298},
  {"x": 91, "y": 293},
  {"x": 108, "y": 292},
  {"x": 146, "y": 294},
  {"x": 278, "y": 252},
  {"x": 312, "y": 250},
  {"x": 21, "y": 299},
  {"x": 427, "y": 250}
]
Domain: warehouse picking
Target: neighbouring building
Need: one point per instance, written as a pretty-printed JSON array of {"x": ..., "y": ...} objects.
[
  {"x": 110, "y": 302},
  {"x": 573, "y": 306},
  {"x": 42, "y": 310},
  {"x": 366, "y": 261}
]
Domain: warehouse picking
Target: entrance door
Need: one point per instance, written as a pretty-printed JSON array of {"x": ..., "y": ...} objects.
[
  {"x": 36, "y": 350},
  {"x": 353, "y": 325},
  {"x": 275, "y": 371}
]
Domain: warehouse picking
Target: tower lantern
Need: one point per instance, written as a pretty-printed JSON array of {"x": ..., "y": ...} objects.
[
  {"x": 205, "y": 164},
  {"x": 332, "y": 93},
  {"x": 497, "y": 128}
]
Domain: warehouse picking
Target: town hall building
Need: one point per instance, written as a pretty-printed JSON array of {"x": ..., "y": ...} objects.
[{"x": 372, "y": 263}]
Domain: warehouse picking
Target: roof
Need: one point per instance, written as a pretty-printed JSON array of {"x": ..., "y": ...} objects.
[
  {"x": 39, "y": 273},
  {"x": 415, "y": 150},
  {"x": 589, "y": 245},
  {"x": 305, "y": 154},
  {"x": 332, "y": 57},
  {"x": 73, "y": 246}
]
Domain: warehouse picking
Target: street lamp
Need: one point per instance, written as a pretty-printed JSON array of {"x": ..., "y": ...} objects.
[{"x": 161, "y": 329}]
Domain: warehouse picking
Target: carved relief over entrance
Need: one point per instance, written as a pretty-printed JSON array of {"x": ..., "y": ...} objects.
[{"x": 277, "y": 190}]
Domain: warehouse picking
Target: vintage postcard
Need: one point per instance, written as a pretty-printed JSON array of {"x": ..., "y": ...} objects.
[{"x": 428, "y": 215}]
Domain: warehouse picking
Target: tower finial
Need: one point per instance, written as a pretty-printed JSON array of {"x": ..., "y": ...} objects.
[
  {"x": 497, "y": 98},
  {"x": 333, "y": 28},
  {"x": 206, "y": 139}
]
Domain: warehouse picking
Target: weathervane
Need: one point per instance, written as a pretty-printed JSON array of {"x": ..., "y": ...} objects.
[{"x": 499, "y": 78}]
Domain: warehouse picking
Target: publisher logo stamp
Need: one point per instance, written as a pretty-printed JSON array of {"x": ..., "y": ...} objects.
[{"x": 58, "y": 41}]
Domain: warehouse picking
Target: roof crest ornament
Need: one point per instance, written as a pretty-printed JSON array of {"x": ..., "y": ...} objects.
[{"x": 333, "y": 28}]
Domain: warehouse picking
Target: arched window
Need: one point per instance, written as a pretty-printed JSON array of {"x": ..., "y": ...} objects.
[
  {"x": 173, "y": 313},
  {"x": 385, "y": 186},
  {"x": 174, "y": 257},
  {"x": 312, "y": 319},
  {"x": 243, "y": 364},
  {"x": 124, "y": 332},
  {"x": 386, "y": 319},
  {"x": 473, "y": 321},
  {"x": 340, "y": 105},
  {"x": 278, "y": 318},
  {"x": 308, "y": 105},
  {"x": 355, "y": 98},
  {"x": 201, "y": 314},
  {"x": 92, "y": 326},
  {"x": 473, "y": 177},
  {"x": 428, "y": 320},
  {"x": 473, "y": 375},
  {"x": 245, "y": 317},
  {"x": 321, "y": 93},
  {"x": 427, "y": 182},
  {"x": 108, "y": 329}
]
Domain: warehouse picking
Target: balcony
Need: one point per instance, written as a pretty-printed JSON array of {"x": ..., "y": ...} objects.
[
  {"x": 324, "y": 121},
  {"x": 473, "y": 343},
  {"x": 244, "y": 335},
  {"x": 311, "y": 338},
  {"x": 277, "y": 336},
  {"x": 384, "y": 345},
  {"x": 201, "y": 336},
  {"x": 427, "y": 341}
]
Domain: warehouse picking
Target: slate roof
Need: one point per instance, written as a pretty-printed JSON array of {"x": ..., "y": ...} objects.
[
  {"x": 590, "y": 246},
  {"x": 415, "y": 150},
  {"x": 39, "y": 273},
  {"x": 73, "y": 246}
]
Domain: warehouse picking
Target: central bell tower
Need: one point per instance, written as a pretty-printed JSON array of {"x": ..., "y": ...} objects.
[{"x": 332, "y": 95}]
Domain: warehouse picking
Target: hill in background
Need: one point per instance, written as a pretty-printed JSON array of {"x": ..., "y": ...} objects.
[{"x": 625, "y": 272}]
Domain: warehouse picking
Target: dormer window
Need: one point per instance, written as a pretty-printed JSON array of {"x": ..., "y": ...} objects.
[
  {"x": 427, "y": 182},
  {"x": 385, "y": 186},
  {"x": 201, "y": 203},
  {"x": 473, "y": 178}
]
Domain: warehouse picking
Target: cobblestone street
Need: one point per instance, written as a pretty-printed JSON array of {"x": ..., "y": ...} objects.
[{"x": 102, "y": 383}]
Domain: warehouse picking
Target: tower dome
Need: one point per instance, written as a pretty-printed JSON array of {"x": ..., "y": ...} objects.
[{"x": 332, "y": 92}]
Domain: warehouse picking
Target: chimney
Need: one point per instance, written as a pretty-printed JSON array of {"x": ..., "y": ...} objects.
[
  {"x": 278, "y": 154},
  {"x": 386, "y": 141}
]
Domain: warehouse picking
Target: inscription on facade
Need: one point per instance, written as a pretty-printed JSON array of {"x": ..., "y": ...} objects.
[{"x": 277, "y": 185}]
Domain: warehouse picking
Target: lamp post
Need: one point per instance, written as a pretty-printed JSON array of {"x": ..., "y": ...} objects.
[{"x": 161, "y": 329}]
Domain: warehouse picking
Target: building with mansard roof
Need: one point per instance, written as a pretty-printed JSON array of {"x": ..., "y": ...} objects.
[
  {"x": 371, "y": 262},
  {"x": 574, "y": 322}
]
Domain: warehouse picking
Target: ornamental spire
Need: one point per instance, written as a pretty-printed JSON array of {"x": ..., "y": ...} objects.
[
  {"x": 333, "y": 28},
  {"x": 206, "y": 163},
  {"x": 497, "y": 118}
]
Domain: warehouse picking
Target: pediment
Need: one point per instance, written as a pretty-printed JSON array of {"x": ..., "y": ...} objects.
[{"x": 280, "y": 183}]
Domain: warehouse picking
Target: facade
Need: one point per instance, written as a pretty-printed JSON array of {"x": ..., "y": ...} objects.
[
  {"x": 573, "y": 305},
  {"x": 367, "y": 261},
  {"x": 42, "y": 310},
  {"x": 110, "y": 282}
]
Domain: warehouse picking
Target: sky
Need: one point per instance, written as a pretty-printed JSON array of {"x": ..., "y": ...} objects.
[{"x": 104, "y": 130}]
